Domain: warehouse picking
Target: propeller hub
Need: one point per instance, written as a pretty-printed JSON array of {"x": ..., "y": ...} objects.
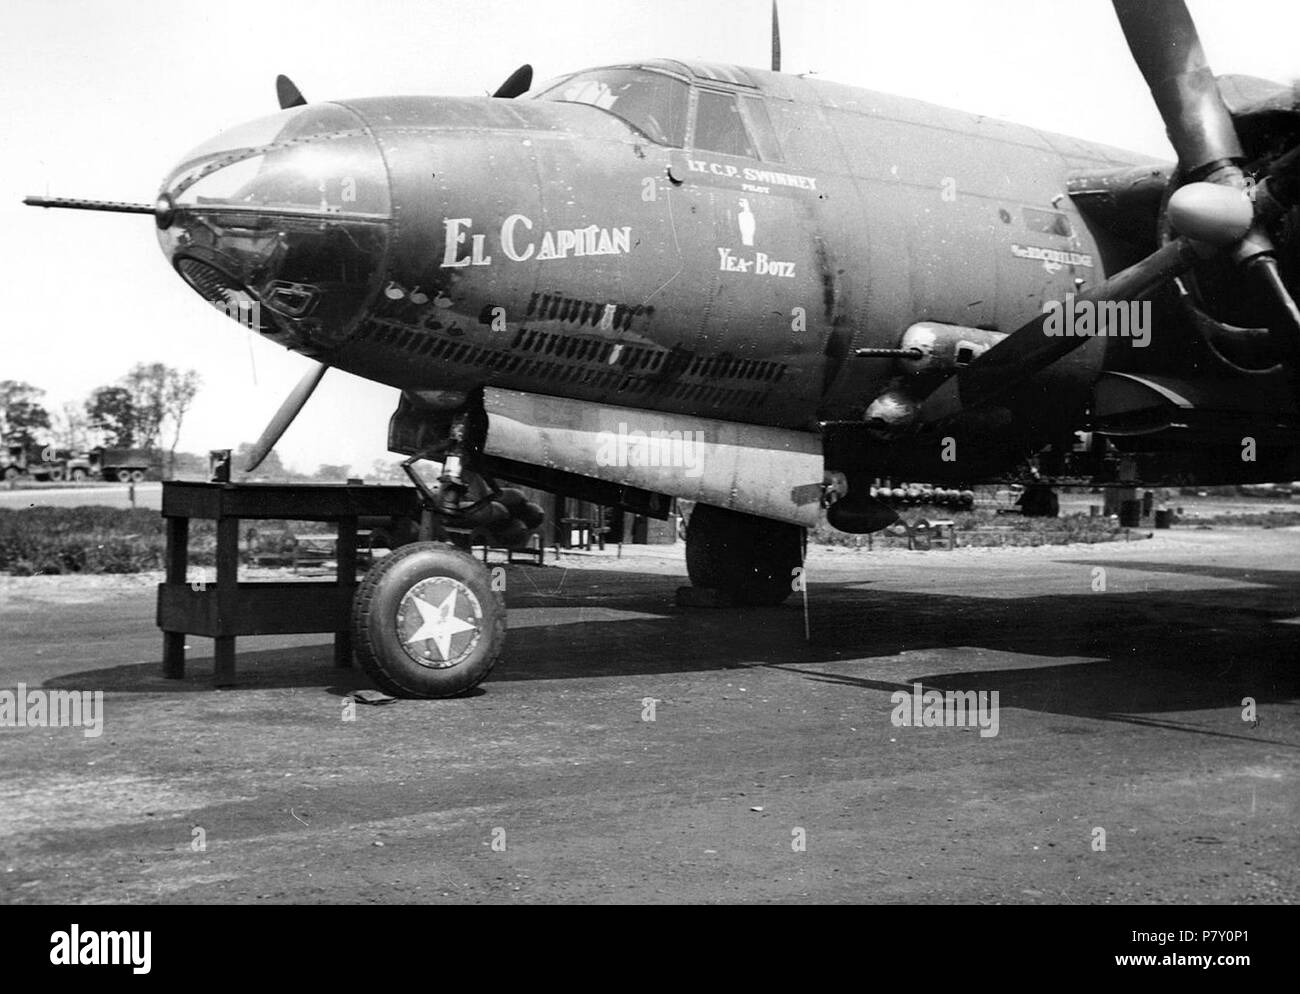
[{"x": 1212, "y": 213}]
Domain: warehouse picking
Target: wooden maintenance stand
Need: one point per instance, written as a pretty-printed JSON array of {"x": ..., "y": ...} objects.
[{"x": 227, "y": 608}]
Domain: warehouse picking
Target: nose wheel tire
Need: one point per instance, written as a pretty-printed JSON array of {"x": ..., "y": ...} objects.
[{"x": 426, "y": 622}]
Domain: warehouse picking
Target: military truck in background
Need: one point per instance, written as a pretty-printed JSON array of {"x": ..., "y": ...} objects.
[
  {"x": 46, "y": 463},
  {"x": 122, "y": 465},
  {"x": 38, "y": 462}
]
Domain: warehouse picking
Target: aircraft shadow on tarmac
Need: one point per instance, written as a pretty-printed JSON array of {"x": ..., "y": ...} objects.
[{"x": 1128, "y": 657}]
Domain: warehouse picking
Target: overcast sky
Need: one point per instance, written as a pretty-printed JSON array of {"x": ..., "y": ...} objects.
[{"x": 99, "y": 100}]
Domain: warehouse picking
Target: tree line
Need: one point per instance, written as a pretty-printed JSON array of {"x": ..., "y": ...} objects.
[{"x": 144, "y": 409}]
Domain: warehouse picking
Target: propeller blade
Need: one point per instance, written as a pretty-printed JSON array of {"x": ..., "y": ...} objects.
[
  {"x": 1167, "y": 50},
  {"x": 284, "y": 416},
  {"x": 1204, "y": 214},
  {"x": 518, "y": 83},
  {"x": 288, "y": 94},
  {"x": 776, "y": 39},
  {"x": 1030, "y": 350},
  {"x": 1284, "y": 328}
]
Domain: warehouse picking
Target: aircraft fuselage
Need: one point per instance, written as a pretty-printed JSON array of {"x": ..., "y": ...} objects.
[{"x": 724, "y": 262}]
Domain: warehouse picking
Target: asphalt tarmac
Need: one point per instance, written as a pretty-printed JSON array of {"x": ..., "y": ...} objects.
[{"x": 1124, "y": 769}]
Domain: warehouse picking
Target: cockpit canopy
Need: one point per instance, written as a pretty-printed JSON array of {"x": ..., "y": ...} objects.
[
  {"x": 652, "y": 102},
  {"x": 658, "y": 105}
]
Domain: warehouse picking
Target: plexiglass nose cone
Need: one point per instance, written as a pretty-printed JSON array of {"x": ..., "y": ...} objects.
[{"x": 282, "y": 222}]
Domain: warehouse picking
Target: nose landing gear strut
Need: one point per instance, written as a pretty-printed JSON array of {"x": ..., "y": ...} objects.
[{"x": 429, "y": 620}]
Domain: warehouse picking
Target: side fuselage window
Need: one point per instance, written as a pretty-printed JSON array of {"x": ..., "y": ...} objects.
[
  {"x": 719, "y": 126},
  {"x": 1047, "y": 222},
  {"x": 760, "y": 128}
]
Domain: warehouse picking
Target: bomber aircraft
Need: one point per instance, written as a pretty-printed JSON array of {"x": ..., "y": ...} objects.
[{"x": 755, "y": 291}]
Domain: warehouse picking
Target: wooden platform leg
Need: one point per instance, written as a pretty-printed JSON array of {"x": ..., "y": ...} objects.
[
  {"x": 176, "y": 563},
  {"x": 223, "y": 673},
  {"x": 227, "y": 596},
  {"x": 174, "y": 655},
  {"x": 346, "y": 576}
]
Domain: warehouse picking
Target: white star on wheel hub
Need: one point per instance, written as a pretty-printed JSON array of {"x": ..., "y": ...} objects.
[{"x": 439, "y": 622}]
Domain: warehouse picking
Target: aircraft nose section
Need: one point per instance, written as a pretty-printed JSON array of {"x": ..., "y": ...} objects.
[{"x": 283, "y": 223}]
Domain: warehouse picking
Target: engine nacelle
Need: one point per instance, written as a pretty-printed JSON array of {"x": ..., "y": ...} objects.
[
  {"x": 934, "y": 351},
  {"x": 944, "y": 348}
]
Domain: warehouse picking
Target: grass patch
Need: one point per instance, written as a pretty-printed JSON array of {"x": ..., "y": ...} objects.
[
  {"x": 80, "y": 540},
  {"x": 984, "y": 527},
  {"x": 54, "y": 540}
]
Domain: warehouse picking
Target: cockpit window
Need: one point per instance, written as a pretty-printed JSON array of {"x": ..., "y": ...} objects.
[
  {"x": 719, "y": 126},
  {"x": 651, "y": 102}
]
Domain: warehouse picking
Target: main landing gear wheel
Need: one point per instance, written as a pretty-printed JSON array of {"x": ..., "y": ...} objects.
[
  {"x": 427, "y": 623},
  {"x": 751, "y": 559}
]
